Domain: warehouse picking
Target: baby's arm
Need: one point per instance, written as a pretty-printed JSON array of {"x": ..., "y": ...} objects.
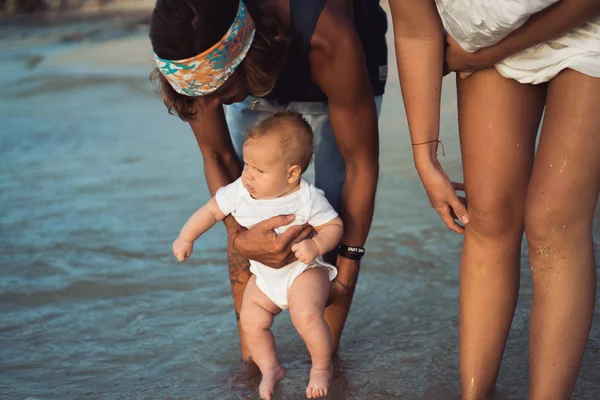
[
  {"x": 202, "y": 220},
  {"x": 327, "y": 237}
]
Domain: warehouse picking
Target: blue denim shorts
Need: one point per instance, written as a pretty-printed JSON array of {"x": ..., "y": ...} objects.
[{"x": 330, "y": 170}]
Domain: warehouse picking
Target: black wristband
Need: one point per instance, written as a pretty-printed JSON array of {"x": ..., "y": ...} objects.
[{"x": 351, "y": 252}]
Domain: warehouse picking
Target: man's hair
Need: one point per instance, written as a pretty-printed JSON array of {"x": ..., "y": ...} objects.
[{"x": 181, "y": 29}]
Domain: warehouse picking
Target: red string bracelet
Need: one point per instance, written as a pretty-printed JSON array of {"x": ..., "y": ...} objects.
[{"x": 431, "y": 141}]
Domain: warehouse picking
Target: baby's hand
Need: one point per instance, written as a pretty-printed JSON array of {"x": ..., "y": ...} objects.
[
  {"x": 182, "y": 249},
  {"x": 306, "y": 251}
]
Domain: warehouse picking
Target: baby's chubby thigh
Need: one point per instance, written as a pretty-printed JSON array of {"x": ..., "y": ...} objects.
[
  {"x": 257, "y": 309},
  {"x": 307, "y": 297}
]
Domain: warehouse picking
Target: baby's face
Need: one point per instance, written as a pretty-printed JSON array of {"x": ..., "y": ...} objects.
[{"x": 265, "y": 173}]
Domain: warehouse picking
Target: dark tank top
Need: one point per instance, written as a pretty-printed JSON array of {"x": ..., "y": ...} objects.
[{"x": 370, "y": 22}]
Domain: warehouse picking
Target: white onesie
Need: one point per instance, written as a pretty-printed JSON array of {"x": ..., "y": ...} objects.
[
  {"x": 476, "y": 24},
  {"x": 308, "y": 204}
]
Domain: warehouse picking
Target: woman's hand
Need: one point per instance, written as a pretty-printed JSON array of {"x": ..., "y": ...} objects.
[
  {"x": 442, "y": 195},
  {"x": 261, "y": 242},
  {"x": 459, "y": 60}
]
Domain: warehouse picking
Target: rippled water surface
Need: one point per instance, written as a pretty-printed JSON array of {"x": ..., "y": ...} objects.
[{"x": 96, "y": 179}]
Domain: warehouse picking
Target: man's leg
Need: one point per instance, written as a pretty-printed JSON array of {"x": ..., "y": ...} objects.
[
  {"x": 330, "y": 172},
  {"x": 240, "y": 117}
]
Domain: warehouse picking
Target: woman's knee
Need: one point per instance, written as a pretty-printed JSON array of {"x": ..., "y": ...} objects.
[
  {"x": 556, "y": 221},
  {"x": 495, "y": 218}
]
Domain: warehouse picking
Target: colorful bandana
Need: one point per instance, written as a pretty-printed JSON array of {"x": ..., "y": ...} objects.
[{"x": 203, "y": 74}]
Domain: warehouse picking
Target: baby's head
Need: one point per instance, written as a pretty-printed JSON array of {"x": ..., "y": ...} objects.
[{"x": 277, "y": 151}]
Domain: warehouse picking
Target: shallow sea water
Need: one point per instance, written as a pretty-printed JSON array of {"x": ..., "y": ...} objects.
[{"x": 96, "y": 179}]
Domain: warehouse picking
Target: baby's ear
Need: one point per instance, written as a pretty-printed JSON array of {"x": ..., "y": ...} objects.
[{"x": 294, "y": 173}]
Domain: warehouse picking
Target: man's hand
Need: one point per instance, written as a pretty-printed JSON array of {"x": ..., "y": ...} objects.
[
  {"x": 182, "y": 249},
  {"x": 306, "y": 251},
  {"x": 345, "y": 280},
  {"x": 261, "y": 242}
]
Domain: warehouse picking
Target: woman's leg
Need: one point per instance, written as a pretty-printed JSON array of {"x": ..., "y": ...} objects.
[
  {"x": 558, "y": 223},
  {"x": 498, "y": 121}
]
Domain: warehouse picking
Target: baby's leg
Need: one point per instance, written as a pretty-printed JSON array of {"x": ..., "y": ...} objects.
[
  {"x": 256, "y": 318},
  {"x": 307, "y": 297}
]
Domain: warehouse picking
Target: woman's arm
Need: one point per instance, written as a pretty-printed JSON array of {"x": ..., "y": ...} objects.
[
  {"x": 548, "y": 24},
  {"x": 419, "y": 41}
]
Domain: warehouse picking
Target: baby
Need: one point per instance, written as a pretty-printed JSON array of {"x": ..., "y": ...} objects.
[{"x": 277, "y": 151}]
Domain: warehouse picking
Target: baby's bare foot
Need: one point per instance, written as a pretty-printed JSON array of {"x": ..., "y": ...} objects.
[
  {"x": 318, "y": 384},
  {"x": 270, "y": 378}
]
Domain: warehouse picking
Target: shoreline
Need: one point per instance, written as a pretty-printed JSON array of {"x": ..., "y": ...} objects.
[
  {"x": 52, "y": 18},
  {"x": 71, "y": 27},
  {"x": 40, "y": 9}
]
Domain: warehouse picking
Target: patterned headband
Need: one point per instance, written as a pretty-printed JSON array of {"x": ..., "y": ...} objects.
[{"x": 203, "y": 74}]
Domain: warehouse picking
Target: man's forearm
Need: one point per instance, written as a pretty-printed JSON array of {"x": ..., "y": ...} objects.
[
  {"x": 221, "y": 165},
  {"x": 358, "y": 201},
  {"x": 358, "y": 204},
  {"x": 220, "y": 170}
]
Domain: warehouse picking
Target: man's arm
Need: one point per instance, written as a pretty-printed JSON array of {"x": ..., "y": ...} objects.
[
  {"x": 338, "y": 67},
  {"x": 221, "y": 165}
]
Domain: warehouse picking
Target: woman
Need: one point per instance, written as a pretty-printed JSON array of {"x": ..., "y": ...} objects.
[
  {"x": 205, "y": 60},
  {"x": 551, "y": 199}
]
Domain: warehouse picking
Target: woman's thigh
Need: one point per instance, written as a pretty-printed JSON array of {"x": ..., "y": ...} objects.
[
  {"x": 566, "y": 176},
  {"x": 498, "y": 123}
]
